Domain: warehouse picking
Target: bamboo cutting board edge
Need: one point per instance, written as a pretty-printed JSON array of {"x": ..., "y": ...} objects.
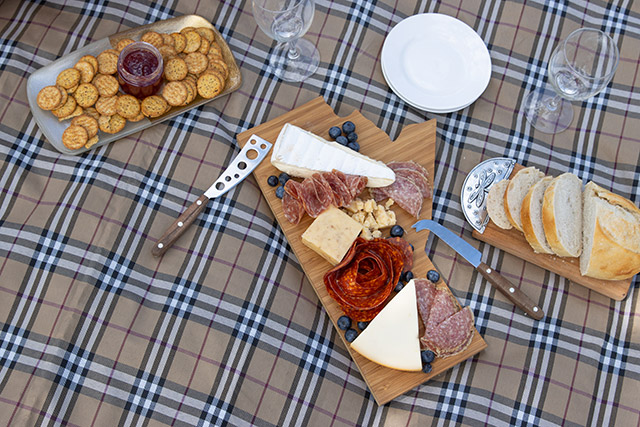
[{"x": 316, "y": 116}]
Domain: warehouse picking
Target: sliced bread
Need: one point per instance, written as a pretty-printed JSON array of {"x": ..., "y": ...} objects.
[
  {"x": 531, "y": 216},
  {"x": 562, "y": 215},
  {"x": 517, "y": 190},
  {"x": 495, "y": 204},
  {"x": 611, "y": 235}
]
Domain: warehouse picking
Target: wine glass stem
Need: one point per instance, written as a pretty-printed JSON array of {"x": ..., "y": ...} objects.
[
  {"x": 293, "y": 53},
  {"x": 553, "y": 103}
]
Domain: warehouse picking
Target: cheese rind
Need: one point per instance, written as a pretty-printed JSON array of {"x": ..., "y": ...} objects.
[
  {"x": 392, "y": 338},
  {"x": 301, "y": 153},
  {"x": 331, "y": 234}
]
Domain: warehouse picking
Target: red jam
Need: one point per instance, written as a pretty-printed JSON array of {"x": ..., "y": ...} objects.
[{"x": 140, "y": 69}]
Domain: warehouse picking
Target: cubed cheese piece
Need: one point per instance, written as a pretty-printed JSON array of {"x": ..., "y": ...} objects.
[{"x": 331, "y": 234}]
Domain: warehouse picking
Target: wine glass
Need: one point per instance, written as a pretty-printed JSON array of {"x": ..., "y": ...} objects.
[
  {"x": 293, "y": 59},
  {"x": 580, "y": 67}
]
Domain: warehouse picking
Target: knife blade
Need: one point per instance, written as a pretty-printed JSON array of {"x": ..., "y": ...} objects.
[
  {"x": 474, "y": 257},
  {"x": 254, "y": 151}
]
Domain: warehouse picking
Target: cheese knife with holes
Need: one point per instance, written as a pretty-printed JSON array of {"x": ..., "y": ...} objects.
[
  {"x": 474, "y": 257},
  {"x": 254, "y": 151}
]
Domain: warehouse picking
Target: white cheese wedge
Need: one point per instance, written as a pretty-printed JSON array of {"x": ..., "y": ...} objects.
[
  {"x": 391, "y": 339},
  {"x": 301, "y": 153}
]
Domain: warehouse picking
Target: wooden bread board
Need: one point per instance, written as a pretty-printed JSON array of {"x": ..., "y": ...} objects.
[
  {"x": 514, "y": 242},
  {"x": 416, "y": 142}
]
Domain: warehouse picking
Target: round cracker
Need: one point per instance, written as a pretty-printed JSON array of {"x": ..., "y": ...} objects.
[
  {"x": 107, "y": 105},
  {"x": 49, "y": 98},
  {"x": 214, "y": 47},
  {"x": 74, "y": 137},
  {"x": 193, "y": 41},
  {"x": 86, "y": 95},
  {"x": 108, "y": 62},
  {"x": 204, "y": 46},
  {"x": 206, "y": 33},
  {"x": 167, "y": 52},
  {"x": 90, "y": 124},
  {"x": 153, "y": 38},
  {"x": 87, "y": 72},
  {"x": 91, "y": 60},
  {"x": 123, "y": 43},
  {"x": 209, "y": 85},
  {"x": 92, "y": 112},
  {"x": 154, "y": 106},
  {"x": 196, "y": 62},
  {"x": 179, "y": 41},
  {"x": 175, "y": 69},
  {"x": 106, "y": 84},
  {"x": 167, "y": 39},
  {"x": 220, "y": 67},
  {"x": 66, "y": 109},
  {"x": 68, "y": 78},
  {"x": 111, "y": 124},
  {"x": 128, "y": 106},
  {"x": 137, "y": 118},
  {"x": 175, "y": 93}
]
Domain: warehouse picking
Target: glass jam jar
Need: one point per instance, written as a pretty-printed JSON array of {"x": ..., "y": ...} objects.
[{"x": 140, "y": 69}]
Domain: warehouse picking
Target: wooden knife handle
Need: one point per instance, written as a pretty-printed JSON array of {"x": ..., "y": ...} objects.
[
  {"x": 515, "y": 295},
  {"x": 179, "y": 226}
]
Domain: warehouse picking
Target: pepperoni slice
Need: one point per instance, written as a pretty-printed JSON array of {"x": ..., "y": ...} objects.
[
  {"x": 406, "y": 249},
  {"x": 365, "y": 277}
]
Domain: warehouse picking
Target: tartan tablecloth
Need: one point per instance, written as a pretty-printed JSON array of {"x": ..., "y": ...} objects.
[{"x": 226, "y": 329}]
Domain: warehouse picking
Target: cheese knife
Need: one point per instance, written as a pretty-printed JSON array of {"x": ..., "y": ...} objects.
[
  {"x": 474, "y": 257},
  {"x": 254, "y": 151}
]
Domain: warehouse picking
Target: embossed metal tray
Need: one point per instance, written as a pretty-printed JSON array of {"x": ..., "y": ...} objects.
[{"x": 45, "y": 76}]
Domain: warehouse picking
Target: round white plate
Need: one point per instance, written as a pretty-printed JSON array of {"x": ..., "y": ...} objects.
[{"x": 435, "y": 62}]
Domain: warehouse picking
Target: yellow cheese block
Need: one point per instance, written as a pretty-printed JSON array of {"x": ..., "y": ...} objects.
[
  {"x": 392, "y": 338},
  {"x": 331, "y": 234}
]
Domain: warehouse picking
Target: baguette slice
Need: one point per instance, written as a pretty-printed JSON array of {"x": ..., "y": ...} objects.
[
  {"x": 562, "y": 215},
  {"x": 495, "y": 204},
  {"x": 611, "y": 237},
  {"x": 531, "y": 216},
  {"x": 517, "y": 190}
]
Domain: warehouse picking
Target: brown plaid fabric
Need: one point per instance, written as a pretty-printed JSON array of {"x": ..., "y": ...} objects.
[{"x": 225, "y": 329}]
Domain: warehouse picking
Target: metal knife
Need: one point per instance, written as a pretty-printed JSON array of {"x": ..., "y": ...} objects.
[
  {"x": 474, "y": 257},
  {"x": 254, "y": 151}
]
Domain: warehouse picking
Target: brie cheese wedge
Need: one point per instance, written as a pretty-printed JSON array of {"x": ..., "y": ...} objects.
[
  {"x": 301, "y": 153},
  {"x": 392, "y": 338}
]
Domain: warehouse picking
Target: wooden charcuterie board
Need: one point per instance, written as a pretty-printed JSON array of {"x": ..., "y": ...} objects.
[
  {"x": 514, "y": 242},
  {"x": 416, "y": 142}
]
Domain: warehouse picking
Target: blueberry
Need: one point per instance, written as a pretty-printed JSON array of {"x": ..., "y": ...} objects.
[
  {"x": 335, "y": 132},
  {"x": 283, "y": 178},
  {"x": 273, "y": 180},
  {"x": 427, "y": 356},
  {"x": 407, "y": 276},
  {"x": 348, "y": 127},
  {"x": 280, "y": 192},
  {"x": 342, "y": 140},
  {"x": 352, "y": 137},
  {"x": 344, "y": 322},
  {"x": 363, "y": 325},
  {"x": 433, "y": 276},
  {"x": 399, "y": 287},
  {"x": 396, "y": 231},
  {"x": 354, "y": 146},
  {"x": 350, "y": 335},
  {"x": 426, "y": 368}
]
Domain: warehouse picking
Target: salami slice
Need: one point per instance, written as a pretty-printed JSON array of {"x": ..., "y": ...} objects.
[
  {"x": 292, "y": 208},
  {"x": 341, "y": 194},
  {"x": 323, "y": 190},
  {"x": 406, "y": 194},
  {"x": 406, "y": 249},
  {"x": 443, "y": 307},
  {"x": 425, "y": 292},
  {"x": 356, "y": 184},
  {"x": 409, "y": 165},
  {"x": 451, "y": 336},
  {"x": 293, "y": 188},
  {"x": 310, "y": 201},
  {"x": 417, "y": 178}
]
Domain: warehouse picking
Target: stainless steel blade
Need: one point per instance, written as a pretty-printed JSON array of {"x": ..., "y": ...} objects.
[
  {"x": 240, "y": 167},
  {"x": 468, "y": 252}
]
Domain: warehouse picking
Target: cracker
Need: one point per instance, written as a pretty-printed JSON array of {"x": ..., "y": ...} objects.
[
  {"x": 74, "y": 137},
  {"x": 209, "y": 85},
  {"x": 153, "y": 38},
  {"x": 90, "y": 124},
  {"x": 137, "y": 118},
  {"x": 167, "y": 52},
  {"x": 192, "y": 91},
  {"x": 108, "y": 62},
  {"x": 72, "y": 89},
  {"x": 66, "y": 109},
  {"x": 175, "y": 69},
  {"x": 179, "y": 41},
  {"x": 92, "y": 112},
  {"x": 175, "y": 93},
  {"x": 154, "y": 106},
  {"x": 167, "y": 40},
  {"x": 214, "y": 47},
  {"x": 204, "y": 46},
  {"x": 75, "y": 113},
  {"x": 123, "y": 43},
  {"x": 196, "y": 62},
  {"x": 91, "y": 60},
  {"x": 86, "y": 95},
  {"x": 111, "y": 124},
  {"x": 220, "y": 67},
  {"x": 49, "y": 98},
  {"x": 185, "y": 29},
  {"x": 107, "y": 105},
  {"x": 193, "y": 41},
  {"x": 91, "y": 142},
  {"x": 128, "y": 106},
  {"x": 107, "y": 85},
  {"x": 68, "y": 78},
  {"x": 87, "y": 72},
  {"x": 206, "y": 33}
]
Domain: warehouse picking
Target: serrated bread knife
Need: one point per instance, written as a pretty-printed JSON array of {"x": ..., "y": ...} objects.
[
  {"x": 474, "y": 257},
  {"x": 254, "y": 151}
]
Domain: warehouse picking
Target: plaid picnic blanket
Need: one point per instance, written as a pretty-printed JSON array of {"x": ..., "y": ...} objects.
[{"x": 225, "y": 329}]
